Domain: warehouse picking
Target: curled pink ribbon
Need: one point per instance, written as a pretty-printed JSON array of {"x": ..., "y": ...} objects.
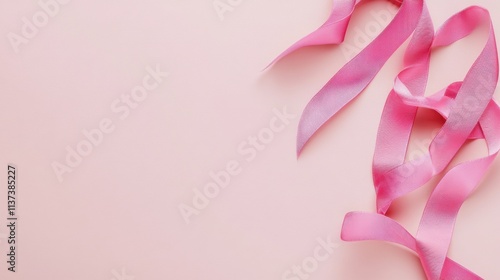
[
  {"x": 462, "y": 122},
  {"x": 468, "y": 108},
  {"x": 478, "y": 87}
]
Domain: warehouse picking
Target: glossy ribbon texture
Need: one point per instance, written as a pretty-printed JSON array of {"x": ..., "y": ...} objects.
[{"x": 467, "y": 106}]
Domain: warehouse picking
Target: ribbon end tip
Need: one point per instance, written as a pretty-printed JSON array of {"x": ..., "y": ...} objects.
[{"x": 298, "y": 152}]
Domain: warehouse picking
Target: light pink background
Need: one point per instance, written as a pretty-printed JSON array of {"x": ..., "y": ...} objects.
[{"x": 118, "y": 211}]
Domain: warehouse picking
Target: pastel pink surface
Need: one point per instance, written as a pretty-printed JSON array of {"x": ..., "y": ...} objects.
[{"x": 119, "y": 208}]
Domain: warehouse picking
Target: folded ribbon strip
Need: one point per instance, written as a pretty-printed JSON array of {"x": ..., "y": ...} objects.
[{"x": 463, "y": 121}]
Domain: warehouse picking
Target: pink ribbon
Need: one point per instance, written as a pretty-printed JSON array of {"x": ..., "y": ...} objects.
[
  {"x": 468, "y": 108},
  {"x": 355, "y": 76},
  {"x": 478, "y": 88},
  {"x": 462, "y": 122}
]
